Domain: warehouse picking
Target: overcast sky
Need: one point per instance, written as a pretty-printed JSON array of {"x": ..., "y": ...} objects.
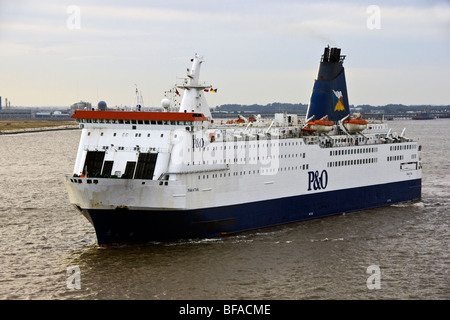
[{"x": 256, "y": 51}]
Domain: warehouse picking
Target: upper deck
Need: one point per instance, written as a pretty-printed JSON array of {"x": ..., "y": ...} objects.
[{"x": 282, "y": 127}]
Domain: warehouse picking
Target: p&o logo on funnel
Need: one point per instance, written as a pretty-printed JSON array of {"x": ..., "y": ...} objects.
[{"x": 338, "y": 100}]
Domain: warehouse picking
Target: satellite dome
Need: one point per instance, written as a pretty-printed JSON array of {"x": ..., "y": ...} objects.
[
  {"x": 165, "y": 103},
  {"x": 102, "y": 105}
]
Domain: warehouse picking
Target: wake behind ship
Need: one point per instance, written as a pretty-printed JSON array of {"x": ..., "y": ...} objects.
[{"x": 154, "y": 176}]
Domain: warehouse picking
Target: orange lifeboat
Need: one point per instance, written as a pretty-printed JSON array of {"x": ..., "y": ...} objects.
[
  {"x": 356, "y": 124},
  {"x": 235, "y": 121},
  {"x": 241, "y": 119},
  {"x": 322, "y": 125}
]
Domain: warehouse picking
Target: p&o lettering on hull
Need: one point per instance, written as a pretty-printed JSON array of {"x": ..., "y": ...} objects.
[
  {"x": 198, "y": 142},
  {"x": 317, "y": 181}
]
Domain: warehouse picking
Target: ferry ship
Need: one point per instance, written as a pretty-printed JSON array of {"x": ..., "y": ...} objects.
[{"x": 143, "y": 176}]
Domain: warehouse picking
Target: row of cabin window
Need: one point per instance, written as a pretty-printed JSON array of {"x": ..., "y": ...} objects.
[
  {"x": 346, "y": 140},
  {"x": 125, "y": 134},
  {"x": 244, "y": 146},
  {"x": 395, "y": 158},
  {"x": 294, "y": 155},
  {"x": 262, "y": 171},
  {"x": 122, "y": 148},
  {"x": 351, "y": 162},
  {"x": 235, "y": 160},
  {"x": 120, "y": 121},
  {"x": 403, "y": 147},
  {"x": 352, "y": 151},
  {"x": 242, "y": 160}
]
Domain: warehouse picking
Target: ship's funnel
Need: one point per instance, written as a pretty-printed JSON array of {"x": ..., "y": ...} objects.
[{"x": 329, "y": 94}]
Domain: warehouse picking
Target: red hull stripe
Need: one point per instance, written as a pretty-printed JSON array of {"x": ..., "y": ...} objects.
[{"x": 135, "y": 115}]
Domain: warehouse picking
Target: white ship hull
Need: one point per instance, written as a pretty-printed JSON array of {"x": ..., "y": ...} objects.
[{"x": 296, "y": 179}]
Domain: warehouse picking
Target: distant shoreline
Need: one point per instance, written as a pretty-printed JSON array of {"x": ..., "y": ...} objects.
[{"x": 27, "y": 126}]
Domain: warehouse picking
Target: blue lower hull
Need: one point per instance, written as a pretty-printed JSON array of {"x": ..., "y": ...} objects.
[{"x": 134, "y": 226}]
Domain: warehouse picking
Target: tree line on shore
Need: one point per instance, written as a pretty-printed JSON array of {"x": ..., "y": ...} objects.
[{"x": 301, "y": 108}]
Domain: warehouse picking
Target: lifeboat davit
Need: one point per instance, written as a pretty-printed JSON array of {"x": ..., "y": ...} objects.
[
  {"x": 356, "y": 124},
  {"x": 322, "y": 125}
]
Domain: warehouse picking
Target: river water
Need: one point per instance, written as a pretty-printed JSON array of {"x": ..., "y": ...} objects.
[{"x": 49, "y": 251}]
